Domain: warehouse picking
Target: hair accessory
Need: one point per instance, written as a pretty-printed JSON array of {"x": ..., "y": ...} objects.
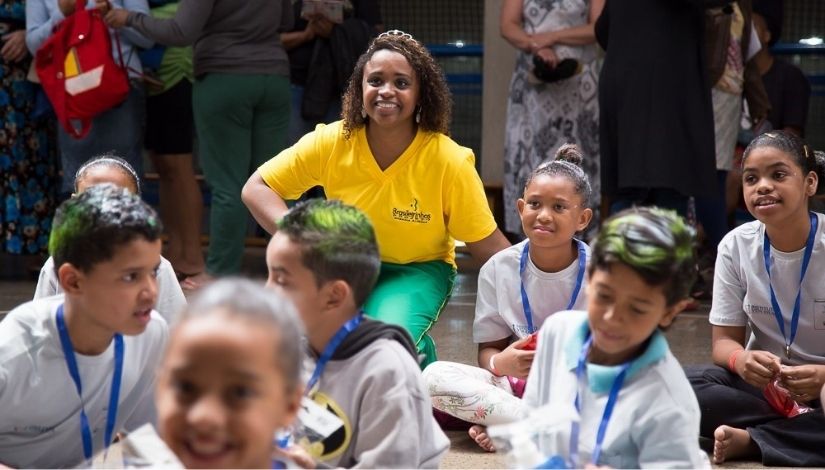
[
  {"x": 395, "y": 33},
  {"x": 807, "y": 154}
]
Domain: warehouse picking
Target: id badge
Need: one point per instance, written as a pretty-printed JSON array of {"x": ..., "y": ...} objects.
[
  {"x": 110, "y": 458},
  {"x": 819, "y": 314},
  {"x": 316, "y": 422}
]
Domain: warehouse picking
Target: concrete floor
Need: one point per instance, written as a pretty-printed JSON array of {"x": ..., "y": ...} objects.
[{"x": 689, "y": 339}]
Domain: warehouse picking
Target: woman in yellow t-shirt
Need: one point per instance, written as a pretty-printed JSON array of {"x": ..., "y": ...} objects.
[{"x": 390, "y": 157}]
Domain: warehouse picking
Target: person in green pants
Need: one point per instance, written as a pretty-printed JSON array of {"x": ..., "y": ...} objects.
[
  {"x": 390, "y": 157},
  {"x": 240, "y": 100}
]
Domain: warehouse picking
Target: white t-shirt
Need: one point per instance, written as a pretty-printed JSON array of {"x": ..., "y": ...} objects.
[
  {"x": 171, "y": 300},
  {"x": 741, "y": 295},
  {"x": 655, "y": 421},
  {"x": 39, "y": 405},
  {"x": 499, "y": 311}
]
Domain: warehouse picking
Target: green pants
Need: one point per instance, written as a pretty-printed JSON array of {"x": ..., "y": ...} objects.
[
  {"x": 413, "y": 296},
  {"x": 241, "y": 121}
]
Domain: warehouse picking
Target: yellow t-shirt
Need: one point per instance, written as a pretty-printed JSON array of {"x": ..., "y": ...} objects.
[{"x": 428, "y": 196}]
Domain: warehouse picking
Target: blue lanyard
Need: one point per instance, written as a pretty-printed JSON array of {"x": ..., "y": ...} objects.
[
  {"x": 114, "y": 394},
  {"x": 330, "y": 348},
  {"x": 608, "y": 409},
  {"x": 806, "y": 258},
  {"x": 525, "y": 302}
]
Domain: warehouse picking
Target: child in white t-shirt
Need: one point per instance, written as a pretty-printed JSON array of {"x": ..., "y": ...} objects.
[
  {"x": 610, "y": 366},
  {"x": 768, "y": 277},
  {"x": 78, "y": 368},
  {"x": 115, "y": 170},
  {"x": 518, "y": 288}
]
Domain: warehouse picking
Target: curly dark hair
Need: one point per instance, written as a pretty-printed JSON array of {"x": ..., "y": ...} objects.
[{"x": 434, "y": 97}]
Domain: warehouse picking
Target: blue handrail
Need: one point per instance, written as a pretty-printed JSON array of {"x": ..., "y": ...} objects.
[
  {"x": 454, "y": 50},
  {"x": 789, "y": 48}
]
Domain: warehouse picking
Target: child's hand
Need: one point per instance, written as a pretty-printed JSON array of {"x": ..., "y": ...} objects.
[
  {"x": 757, "y": 368},
  {"x": 803, "y": 382},
  {"x": 514, "y": 360},
  {"x": 297, "y": 454}
]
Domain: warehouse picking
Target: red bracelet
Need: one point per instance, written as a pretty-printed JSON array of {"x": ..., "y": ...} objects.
[{"x": 732, "y": 360}]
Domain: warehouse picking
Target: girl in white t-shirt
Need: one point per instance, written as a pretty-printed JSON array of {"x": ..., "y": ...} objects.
[
  {"x": 769, "y": 277},
  {"x": 518, "y": 288}
]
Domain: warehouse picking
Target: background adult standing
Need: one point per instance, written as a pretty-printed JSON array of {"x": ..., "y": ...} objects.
[
  {"x": 542, "y": 116},
  {"x": 240, "y": 101},
  {"x": 657, "y": 141},
  {"x": 28, "y": 173},
  {"x": 118, "y": 130},
  {"x": 170, "y": 135},
  {"x": 309, "y": 44}
]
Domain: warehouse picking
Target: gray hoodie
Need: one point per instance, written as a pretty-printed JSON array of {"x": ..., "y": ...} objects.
[{"x": 374, "y": 385}]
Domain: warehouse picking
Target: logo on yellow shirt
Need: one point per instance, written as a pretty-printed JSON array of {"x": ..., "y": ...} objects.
[{"x": 412, "y": 214}]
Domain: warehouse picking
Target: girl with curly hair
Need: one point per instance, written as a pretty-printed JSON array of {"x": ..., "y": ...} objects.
[{"x": 390, "y": 156}]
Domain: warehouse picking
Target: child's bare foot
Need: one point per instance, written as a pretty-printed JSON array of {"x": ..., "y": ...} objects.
[
  {"x": 479, "y": 434},
  {"x": 731, "y": 443}
]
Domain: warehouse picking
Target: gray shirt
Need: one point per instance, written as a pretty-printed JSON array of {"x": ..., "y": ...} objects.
[{"x": 229, "y": 36}]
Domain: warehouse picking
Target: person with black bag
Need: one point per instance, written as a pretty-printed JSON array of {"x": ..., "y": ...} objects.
[
  {"x": 322, "y": 55},
  {"x": 552, "y": 98}
]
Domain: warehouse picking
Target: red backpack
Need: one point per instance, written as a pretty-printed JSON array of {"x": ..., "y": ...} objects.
[{"x": 77, "y": 71}]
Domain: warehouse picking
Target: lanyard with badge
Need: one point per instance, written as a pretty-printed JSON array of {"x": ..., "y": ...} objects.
[
  {"x": 608, "y": 409},
  {"x": 316, "y": 421},
  {"x": 806, "y": 258},
  {"x": 525, "y": 301},
  {"x": 114, "y": 394}
]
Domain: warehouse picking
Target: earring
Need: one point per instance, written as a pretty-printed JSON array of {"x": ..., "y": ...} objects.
[
  {"x": 364, "y": 113},
  {"x": 418, "y": 115}
]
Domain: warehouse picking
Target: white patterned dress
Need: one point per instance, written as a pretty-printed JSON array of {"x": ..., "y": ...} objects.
[{"x": 541, "y": 117}]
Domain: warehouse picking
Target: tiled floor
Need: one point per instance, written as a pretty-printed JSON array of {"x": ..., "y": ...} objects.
[{"x": 689, "y": 339}]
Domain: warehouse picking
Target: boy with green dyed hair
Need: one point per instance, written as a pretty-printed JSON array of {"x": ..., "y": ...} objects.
[
  {"x": 324, "y": 257},
  {"x": 78, "y": 367},
  {"x": 611, "y": 365}
]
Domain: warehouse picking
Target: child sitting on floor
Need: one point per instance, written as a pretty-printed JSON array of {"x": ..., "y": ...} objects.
[
  {"x": 610, "y": 365},
  {"x": 115, "y": 170},
  {"x": 231, "y": 377},
  {"x": 365, "y": 375},
  {"x": 768, "y": 280},
  {"x": 518, "y": 288},
  {"x": 77, "y": 368}
]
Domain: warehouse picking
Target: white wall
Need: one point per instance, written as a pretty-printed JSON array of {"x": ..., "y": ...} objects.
[{"x": 499, "y": 59}]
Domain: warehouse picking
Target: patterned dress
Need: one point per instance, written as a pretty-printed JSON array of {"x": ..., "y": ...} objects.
[
  {"x": 28, "y": 170},
  {"x": 543, "y": 116}
]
